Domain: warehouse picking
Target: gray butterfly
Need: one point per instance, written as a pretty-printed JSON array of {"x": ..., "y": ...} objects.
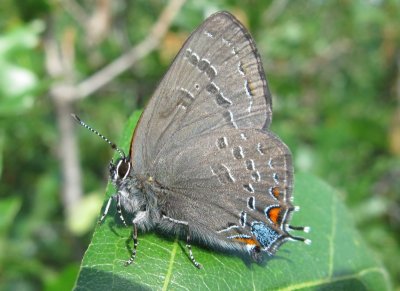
[{"x": 202, "y": 163}]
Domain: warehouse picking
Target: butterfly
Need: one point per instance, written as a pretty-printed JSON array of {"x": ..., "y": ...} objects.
[{"x": 203, "y": 164}]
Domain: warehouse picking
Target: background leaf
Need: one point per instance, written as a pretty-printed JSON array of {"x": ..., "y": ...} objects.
[{"x": 337, "y": 258}]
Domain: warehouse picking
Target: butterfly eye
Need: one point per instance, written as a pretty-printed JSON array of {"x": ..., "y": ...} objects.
[{"x": 123, "y": 168}]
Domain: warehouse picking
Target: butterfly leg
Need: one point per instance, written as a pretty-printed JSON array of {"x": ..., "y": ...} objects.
[
  {"x": 119, "y": 210},
  {"x": 105, "y": 211},
  {"x": 135, "y": 243},
  {"x": 107, "y": 208},
  {"x": 188, "y": 245}
]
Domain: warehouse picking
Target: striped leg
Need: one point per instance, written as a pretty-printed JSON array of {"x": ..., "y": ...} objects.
[
  {"x": 120, "y": 211},
  {"x": 188, "y": 245},
  {"x": 135, "y": 243},
  {"x": 105, "y": 210}
]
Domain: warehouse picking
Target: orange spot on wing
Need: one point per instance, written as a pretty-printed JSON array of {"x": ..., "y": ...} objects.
[
  {"x": 273, "y": 214},
  {"x": 247, "y": 241},
  {"x": 276, "y": 192}
]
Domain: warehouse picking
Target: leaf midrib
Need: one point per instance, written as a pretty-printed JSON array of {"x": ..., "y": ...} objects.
[{"x": 168, "y": 275}]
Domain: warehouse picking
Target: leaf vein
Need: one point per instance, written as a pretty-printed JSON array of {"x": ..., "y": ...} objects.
[{"x": 168, "y": 275}]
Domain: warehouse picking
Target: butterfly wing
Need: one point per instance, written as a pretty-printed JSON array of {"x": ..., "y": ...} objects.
[
  {"x": 204, "y": 138},
  {"x": 222, "y": 182},
  {"x": 215, "y": 82}
]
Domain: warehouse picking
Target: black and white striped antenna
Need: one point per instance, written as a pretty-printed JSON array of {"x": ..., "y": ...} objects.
[{"x": 113, "y": 145}]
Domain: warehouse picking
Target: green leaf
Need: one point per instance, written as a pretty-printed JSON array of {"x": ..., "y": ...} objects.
[
  {"x": 337, "y": 257},
  {"x": 2, "y": 139},
  {"x": 9, "y": 208}
]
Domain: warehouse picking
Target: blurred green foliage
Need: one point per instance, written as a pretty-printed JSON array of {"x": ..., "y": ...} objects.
[{"x": 333, "y": 68}]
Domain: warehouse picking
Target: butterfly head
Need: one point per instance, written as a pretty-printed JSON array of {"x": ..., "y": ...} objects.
[{"x": 120, "y": 169}]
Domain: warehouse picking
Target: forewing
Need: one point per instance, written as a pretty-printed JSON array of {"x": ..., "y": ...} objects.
[
  {"x": 215, "y": 82},
  {"x": 216, "y": 177}
]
